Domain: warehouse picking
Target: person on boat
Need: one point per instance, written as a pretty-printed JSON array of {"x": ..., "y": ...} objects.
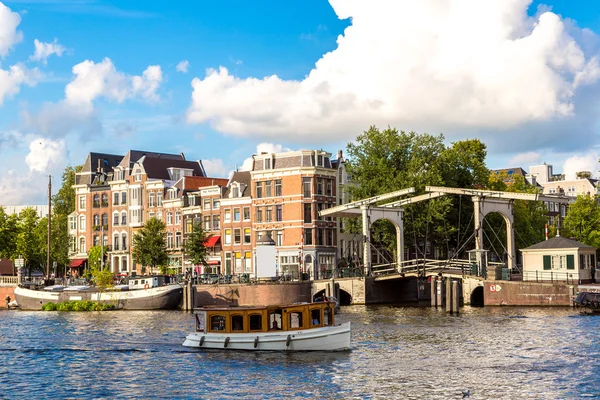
[{"x": 275, "y": 325}]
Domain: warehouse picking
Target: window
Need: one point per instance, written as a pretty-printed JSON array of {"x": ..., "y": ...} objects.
[
  {"x": 320, "y": 186},
  {"x": 124, "y": 241},
  {"x": 169, "y": 218},
  {"x": 123, "y": 198},
  {"x": 227, "y": 236},
  {"x": 308, "y": 237},
  {"x": 275, "y": 320},
  {"x": 247, "y": 236},
  {"x": 116, "y": 242},
  {"x": 177, "y": 239},
  {"x": 259, "y": 214},
  {"x": 248, "y": 261},
  {"x": 72, "y": 223},
  {"x": 238, "y": 262},
  {"x": 227, "y": 263},
  {"x": 96, "y": 240},
  {"x": 235, "y": 191},
  {"x": 216, "y": 203},
  {"x": 177, "y": 217},
  {"x": 269, "y": 214},
  {"x": 246, "y": 213},
  {"x": 216, "y": 222},
  {"x": 236, "y": 214},
  {"x": 255, "y": 322},
  {"x": 82, "y": 245},
  {"x": 307, "y": 187},
  {"x": 104, "y": 200},
  {"x": 189, "y": 225},
  {"x": 259, "y": 186},
  {"x": 329, "y": 187},
  {"x": 116, "y": 199},
  {"x": 237, "y": 323},
  {"x": 159, "y": 196},
  {"x": 559, "y": 261},
  {"x": 295, "y": 319},
  {"x": 169, "y": 240},
  {"x": 105, "y": 240},
  {"x": 96, "y": 220},
  {"x": 191, "y": 201},
  {"x": 207, "y": 204},
  {"x": 268, "y": 189},
  {"x": 82, "y": 222},
  {"x": 124, "y": 218},
  {"x": 279, "y": 212},
  {"x": 237, "y": 236},
  {"x": 207, "y": 222},
  {"x": 320, "y": 161},
  {"x": 279, "y": 238},
  {"x": 320, "y": 207},
  {"x": 151, "y": 199},
  {"x": 217, "y": 323},
  {"x": 267, "y": 163},
  {"x": 82, "y": 202},
  {"x": 159, "y": 216},
  {"x": 330, "y": 238},
  {"x": 227, "y": 217},
  {"x": 320, "y": 237},
  {"x": 96, "y": 201},
  {"x": 307, "y": 213},
  {"x": 315, "y": 317},
  {"x": 278, "y": 187}
]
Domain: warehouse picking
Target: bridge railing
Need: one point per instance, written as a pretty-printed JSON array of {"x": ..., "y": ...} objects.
[{"x": 9, "y": 280}]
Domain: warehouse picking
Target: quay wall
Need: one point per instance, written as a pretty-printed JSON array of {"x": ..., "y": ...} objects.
[
  {"x": 6, "y": 290},
  {"x": 506, "y": 293},
  {"x": 249, "y": 295}
]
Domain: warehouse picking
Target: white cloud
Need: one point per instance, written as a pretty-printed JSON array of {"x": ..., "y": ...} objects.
[
  {"x": 46, "y": 154},
  {"x": 44, "y": 50},
  {"x": 587, "y": 162},
  {"x": 524, "y": 160},
  {"x": 9, "y": 35},
  {"x": 215, "y": 168},
  {"x": 263, "y": 148},
  {"x": 183, "y": 66},
  {"x": 92, "y": 81},
  {"x": 429, "y": 65},
  {"x": 12, "y": 79}
]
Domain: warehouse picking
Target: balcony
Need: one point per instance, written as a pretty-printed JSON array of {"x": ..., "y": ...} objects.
[
  {"x": 96, "y": 204},
  {"x": 100, "y": 227}
]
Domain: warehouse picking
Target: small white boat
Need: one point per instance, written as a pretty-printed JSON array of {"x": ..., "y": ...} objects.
[{"x": 296, "y": 327}]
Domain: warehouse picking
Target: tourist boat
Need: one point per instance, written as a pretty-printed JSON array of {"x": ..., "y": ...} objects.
[
  {"x": 142, "y": 293},
  {"x": 295, "y": 327}
]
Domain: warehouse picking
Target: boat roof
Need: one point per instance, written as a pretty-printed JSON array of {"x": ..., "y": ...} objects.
[{"x": 270, "y": 307}]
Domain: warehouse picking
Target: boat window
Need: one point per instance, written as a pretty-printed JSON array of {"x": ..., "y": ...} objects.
[
  {"x": 275, "y": 320},
  {"x": 315, "y": 316},
  {"x": 217, "y": 323},
  {"x": 296, "y": 320},
  {"x": 237, "y": 323},
  {"x": 200, "y": 322},
  {"x": 327, "y": 316},
  {"x": 256, "y": 322}
]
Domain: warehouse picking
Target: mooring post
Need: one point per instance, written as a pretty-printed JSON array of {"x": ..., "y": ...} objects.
[
  {"x": 438, "y": 294},
  {"x": 448, "y": 295},
  {"x": 455, "y": 296},
  {"x": 190, "y": 296},
  {"x": 432, "y": 287}
]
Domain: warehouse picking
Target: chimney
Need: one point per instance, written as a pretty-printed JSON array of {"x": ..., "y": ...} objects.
[
  {"x": 182, "y": 156},
  {"x": 99, "y": 165},
  {"x": 339, "y": 157}
]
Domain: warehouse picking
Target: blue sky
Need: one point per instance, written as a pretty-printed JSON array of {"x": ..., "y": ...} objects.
[{"x": 273, "y": 75}]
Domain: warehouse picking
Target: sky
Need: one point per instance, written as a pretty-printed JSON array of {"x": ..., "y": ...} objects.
[{"x": 220, "y": 81}]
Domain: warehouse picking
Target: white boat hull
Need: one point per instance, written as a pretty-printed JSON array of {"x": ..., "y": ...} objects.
[{"x": 328, "y": 338}]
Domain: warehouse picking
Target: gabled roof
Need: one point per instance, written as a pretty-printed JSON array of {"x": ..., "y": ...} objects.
[
  {"x": 243, "y": 177},
  {"x": 193, "y": 183},
  {"x": 558, "y": 242},
  {"x": 94, "y": 161},
  {"x": 157, "y": 168}
]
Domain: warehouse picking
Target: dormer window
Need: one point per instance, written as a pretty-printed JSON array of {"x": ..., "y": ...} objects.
[
  {"x": 320, "y": 161},
  {"x": 267, "y": 163},
  {"x": 137, "y": 175},
  {"x": 235, "y": 190},
  {"x": 176, "y": 174}
]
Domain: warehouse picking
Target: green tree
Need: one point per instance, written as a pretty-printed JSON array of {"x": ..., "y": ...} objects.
[
  {"x": 8, "y": 235},
  {"x": 29, "y": 242},
  {"x": 95, "y": 255},
  {"x": 63, "y": 204},
  {"x": 149, "y": 247},
  {"x": 194, "y": 246},
  {"x": 582, "y": 221}
]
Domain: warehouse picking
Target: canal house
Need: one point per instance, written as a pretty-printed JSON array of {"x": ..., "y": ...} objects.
[{"x": 559, "y": 260}]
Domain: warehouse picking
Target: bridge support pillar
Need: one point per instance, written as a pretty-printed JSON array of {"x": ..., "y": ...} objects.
[{"x": 484, "y": 206}]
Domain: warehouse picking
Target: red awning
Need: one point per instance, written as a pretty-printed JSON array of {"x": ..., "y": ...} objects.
[
  {"x": 212, "y": 241},
  {"x": 213, "y": 262},
  {"x": 77, "y": 262}
]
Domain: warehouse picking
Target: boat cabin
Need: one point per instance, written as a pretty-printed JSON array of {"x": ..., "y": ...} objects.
[
  {"x": 146, "y": 282},
  {"x": 264, "y": 319}
]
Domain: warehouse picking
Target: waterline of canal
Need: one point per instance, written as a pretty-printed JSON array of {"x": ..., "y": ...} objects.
[{"x": 398, "y": 352}]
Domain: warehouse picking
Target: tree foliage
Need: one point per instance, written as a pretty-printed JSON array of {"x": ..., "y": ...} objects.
[
  {"x": 30, "y": 240},
  {"x": 149, "y": 247},
  {"x": 582, "y": 222},
  {"x": 382, "y": 161},
  {"x": 8, "y": 235},
  {"x": 63, "y": 204},
  {"x": 195, "y": 247}
]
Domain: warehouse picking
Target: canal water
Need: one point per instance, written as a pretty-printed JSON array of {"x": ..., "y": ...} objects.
[{"x": 398, "y": 353}]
